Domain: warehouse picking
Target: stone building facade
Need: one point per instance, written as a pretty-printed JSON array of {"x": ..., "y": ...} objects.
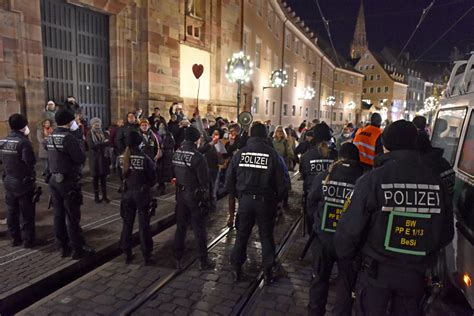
[{"x": 117, "y": 55}]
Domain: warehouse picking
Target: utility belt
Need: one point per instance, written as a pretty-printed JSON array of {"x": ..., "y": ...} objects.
[
  {"x": 262, "y": 197},
  {"x": 200, "y": 194}
]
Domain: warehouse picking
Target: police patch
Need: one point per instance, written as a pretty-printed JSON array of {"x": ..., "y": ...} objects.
[
  {"x": 254, "y": 160},
  {"x": 320, "y": 165}
]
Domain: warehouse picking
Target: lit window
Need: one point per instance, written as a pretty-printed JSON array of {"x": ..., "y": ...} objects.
[{"x": 255, "y": 105}]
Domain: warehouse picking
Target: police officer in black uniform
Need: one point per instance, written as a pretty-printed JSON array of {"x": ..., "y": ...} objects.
[
  {"x": 138, "y": 172},
  {"x": 316, "y": 160},
  {"x": 66, "y": 158},
  {"x": 192, "y": 196},
  {"x": 255, "y": 176},
  {"x": 399, "y": 217},
  {"x": 326, "y": 200},
  {"x": 18, "y": 159}
]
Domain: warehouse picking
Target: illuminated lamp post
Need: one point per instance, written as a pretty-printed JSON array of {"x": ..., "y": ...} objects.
[{"x": 239, "y": 69}]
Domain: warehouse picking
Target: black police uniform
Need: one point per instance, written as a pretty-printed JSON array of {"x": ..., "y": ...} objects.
[
  {"x": 256, "y": 178},
  {"x": 136, "y": 198},
  {"x": 66, "y": 158},
  {"x": 326, "y": 200},
  {"x": 313, "y": 163},
  {"x": 191, "y": 170},
  {"x": 399, "y": 217},
  {"x": 18, "y": 158}
]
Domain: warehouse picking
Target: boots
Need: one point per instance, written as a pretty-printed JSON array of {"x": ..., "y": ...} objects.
[
  {"x": 230, "y": 219},
  {"x": 104, "y": 196},
  {"x": 96, "y": 197}
]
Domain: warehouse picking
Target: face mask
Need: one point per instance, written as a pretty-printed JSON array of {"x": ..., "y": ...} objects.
[
  {"x": 347, "y": 135},
  {"x": 26, "y": 130},
  {"x": 74, "y": 126}
]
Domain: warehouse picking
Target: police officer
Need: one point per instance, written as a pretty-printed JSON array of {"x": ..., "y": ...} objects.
[
  {"x": 399, "y": 217},
  {"x": 315, "y": 161},
  {"x": 326, "y": 200},
  {"x": 255, "y": 176},
  {"x": 138, "y": 172},
  {"x": 18, "y": 158},
  {"x": 66, "y": 158},
  {"x": 369, "y": 142},
  {"x": 192, "y": 196}
]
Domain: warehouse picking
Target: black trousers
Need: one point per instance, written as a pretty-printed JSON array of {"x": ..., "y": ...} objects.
[
  {"x": 103, "y": 183},
  {"x": 20, "y": 206},
  {"x": 403, "y": 287},
  {"x": 133, "y": 202},
  {"x": 67, "y": 199},
  {"x": 188, "y": 210},
  {"x": 251, "y": 211},
  {"x": 323, "y": 262}
]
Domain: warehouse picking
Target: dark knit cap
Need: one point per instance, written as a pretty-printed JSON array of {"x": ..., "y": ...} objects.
[
  {"x": 133, "y": 138},
  {"x": 258, "y": 130},
  {"x": 420, "y": 122},
  {"x": 17, "y": 121},
  {"x": 349, "y": 151},
  {"x": 191, "y": 134},
  {"x": 322, "y": 133},
  {"x": 376, "y": 119},
  {"x": 64, "y": 116},
  {"x": 400, "y": 135}
]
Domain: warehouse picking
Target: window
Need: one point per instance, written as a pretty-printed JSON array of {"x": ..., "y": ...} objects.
[
  {"x": 270, "y": 17},
  {"x": 336, "y": 77},
  {"x": 371, "y": 77},
  {"x": 366, "y": 67},
  {"x": 295, "y": 78},
  {"x": 447, "y": 131},
  {"x": 350, "y": 117},
  {"x": 314, "y": 79},
  {"x": 316, "y": 113},
  {"x": 340, "y": 116},
  {"x": 466, "y": 159},
  {"x": 266, "y": 107},
  {"x": 194, "y": 8},
  {"x": 258, "y": 53},
  {"x": 371, "y": 90},
  {"x": 245, "y": 42},
  {"x": 377, "y": 77},
  {"x": 342, "y": 97},
  {"x": 379, "y": 89},
  {"x": 297, "y": 46},
  {"x": 364, "y": 90},
  {"x": 304, "y": 51},
  {"x": 255, "y": 105},
  {"x": 287, "y": 39},
  {"x": 372, "y": 67},
  {"x": 259, "y": 7},
  {"x": 277, "y": 27},
  {"x": 293, "y": 110},
  {"x": 365, "y": 77},
  {"x": 360, "y": 67},
  {"x": 273, "y": 108},
  {"x": 333, "y": 116},
  {"x": 351, "y": 80},
  {"x": 385, "y": 89},
  {"x": 301, "y": 110},
  {"x": 306, "y": 112},
  {"x": 285, "y": 109}
]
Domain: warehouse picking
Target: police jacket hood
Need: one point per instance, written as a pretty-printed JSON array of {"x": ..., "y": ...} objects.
[
  {"x": 399, "y": 214},
  {"x": 313, "y": 163},
  {"x": 190, "y": 166}
]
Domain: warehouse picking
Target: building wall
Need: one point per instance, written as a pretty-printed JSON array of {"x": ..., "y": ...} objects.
[{"x": 147, "y": 38}]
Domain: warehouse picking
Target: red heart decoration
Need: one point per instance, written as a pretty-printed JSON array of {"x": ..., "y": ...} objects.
[{"x": 198, "y": 70}]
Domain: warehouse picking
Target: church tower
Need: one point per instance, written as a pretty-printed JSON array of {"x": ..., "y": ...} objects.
[{"x": 359, "y": 43}]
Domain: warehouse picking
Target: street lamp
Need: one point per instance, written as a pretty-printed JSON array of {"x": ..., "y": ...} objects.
[
  {"x": 279, "y": 78},
  {"x": 331, "y": 101},
  {"x": 431, "y": 104},
  {"x": 239, "y": 69},
  {"x": 308, "y": 93}
]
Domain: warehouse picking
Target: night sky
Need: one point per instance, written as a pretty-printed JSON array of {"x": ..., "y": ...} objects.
[{"x": 390, "y": 23}]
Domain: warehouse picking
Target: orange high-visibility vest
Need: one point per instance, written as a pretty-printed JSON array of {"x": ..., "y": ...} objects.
[{"x": 365, "y": 140}]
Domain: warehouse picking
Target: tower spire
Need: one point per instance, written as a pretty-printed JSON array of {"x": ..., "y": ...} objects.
[{"x": 359, "y": 43}]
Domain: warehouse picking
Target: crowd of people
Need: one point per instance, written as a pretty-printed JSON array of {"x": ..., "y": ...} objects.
[{"x": 361, "y": 189}]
